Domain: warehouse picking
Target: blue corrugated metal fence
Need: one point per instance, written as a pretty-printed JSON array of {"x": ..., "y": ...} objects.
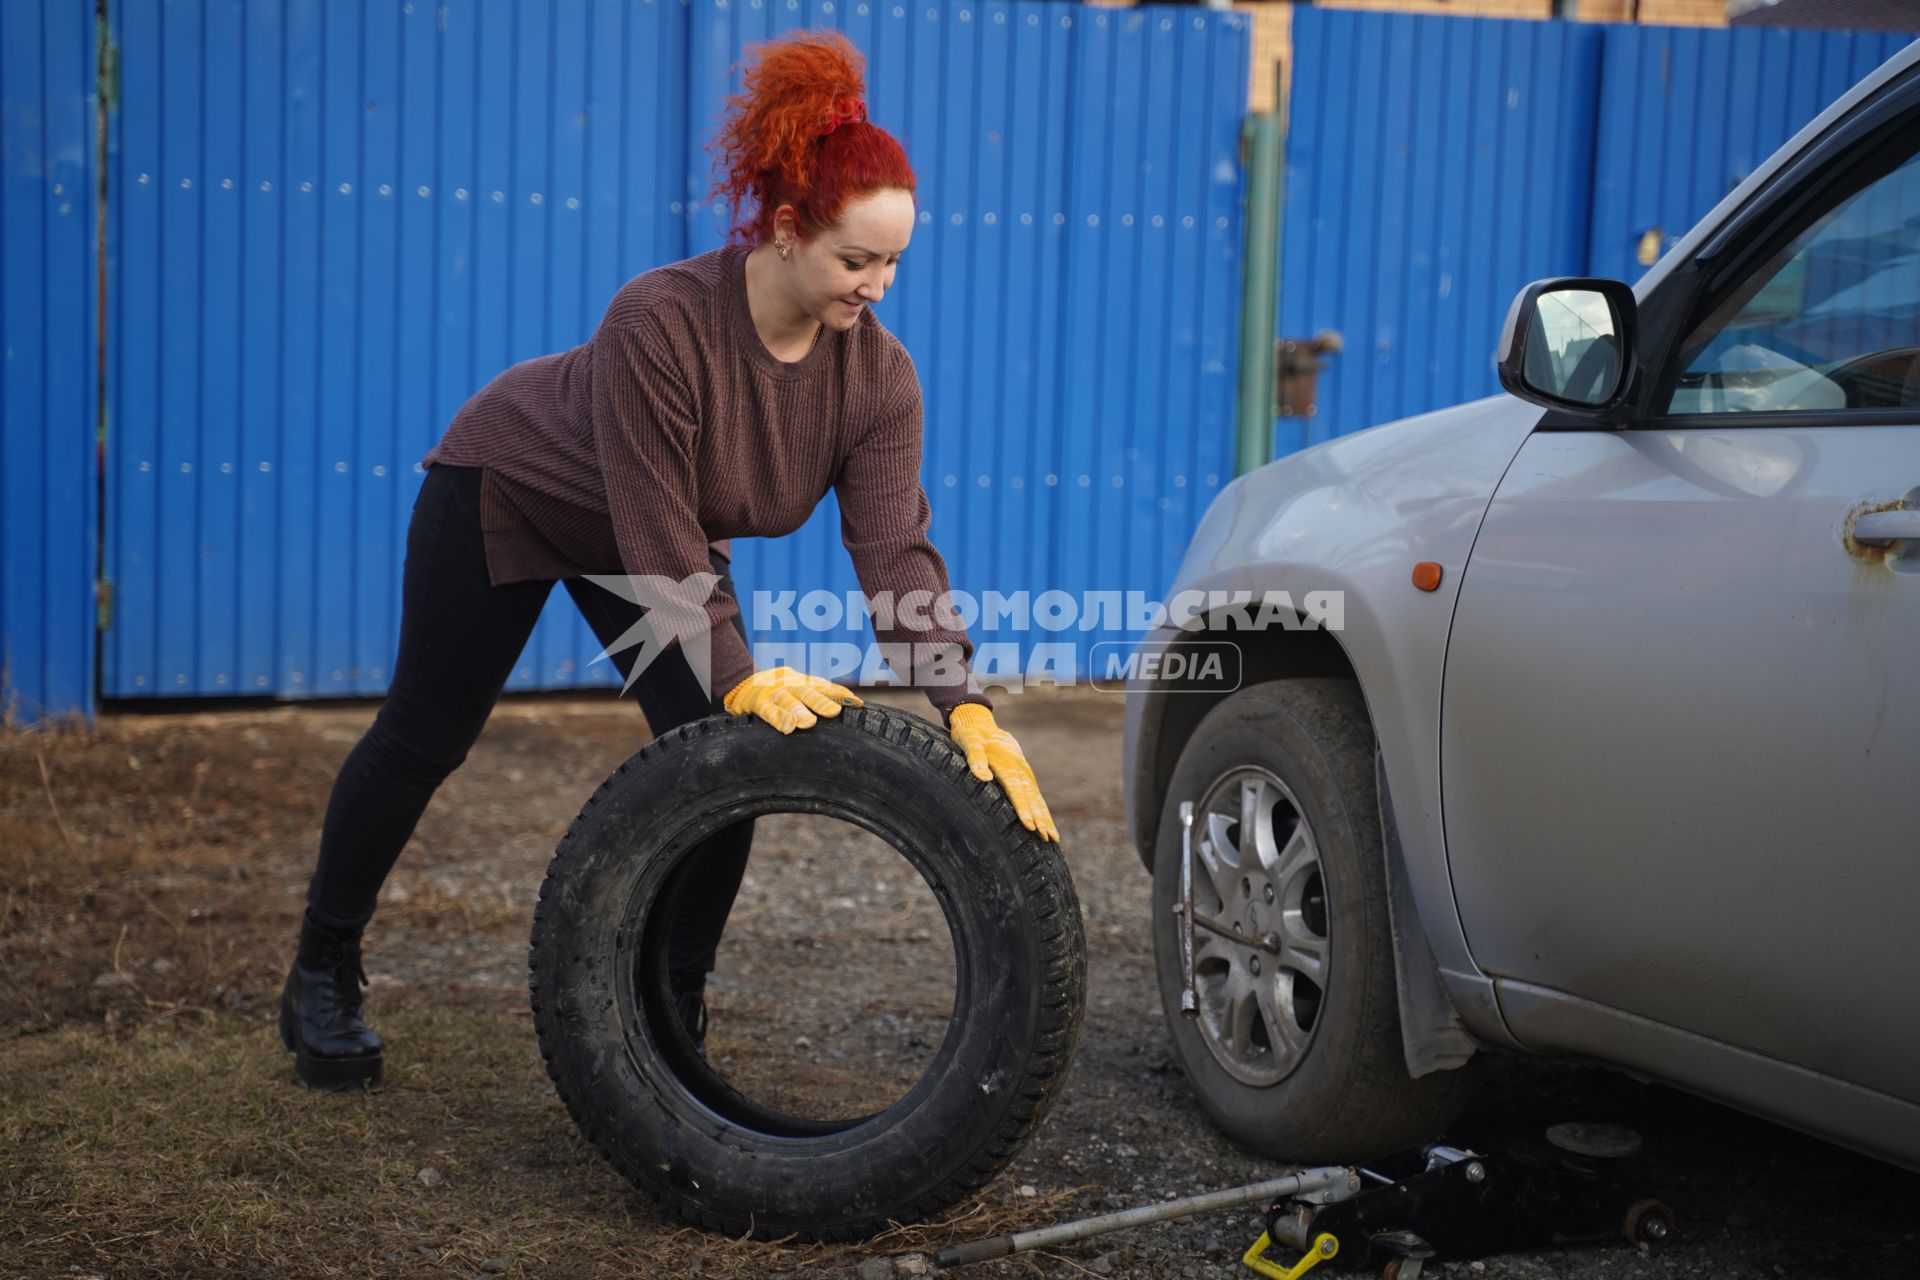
[
  {"x": 1437, "y": 165},
  {"x": 1685, "y": 115},
  {"x": 330, "y": 224},
  {"x": 1429, "y": 161},
  {"x": 48, "y": 357}
]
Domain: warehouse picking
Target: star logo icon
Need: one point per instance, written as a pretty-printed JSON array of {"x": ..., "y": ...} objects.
[{"x": 673, "y": 610}]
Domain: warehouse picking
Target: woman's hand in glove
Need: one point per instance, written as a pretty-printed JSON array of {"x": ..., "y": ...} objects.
[
  {"x": 992, "y": 753},
  {"x": 788, "y": 699}
]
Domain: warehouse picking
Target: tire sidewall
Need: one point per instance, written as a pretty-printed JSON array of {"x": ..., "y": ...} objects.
[{"x": 617, "y": 1074}]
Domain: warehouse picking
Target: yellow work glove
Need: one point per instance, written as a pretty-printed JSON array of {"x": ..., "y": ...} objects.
[
  {"x": 992, "y": 753},
  {"x": 787, "y": 699}
]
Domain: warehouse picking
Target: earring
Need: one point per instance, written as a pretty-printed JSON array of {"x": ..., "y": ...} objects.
[{"x": 786, "y": 250}]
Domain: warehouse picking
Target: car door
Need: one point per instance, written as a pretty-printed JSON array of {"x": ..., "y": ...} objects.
[{"x": 1680, "y": 744}]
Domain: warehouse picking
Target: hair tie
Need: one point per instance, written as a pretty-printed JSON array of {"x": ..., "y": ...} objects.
[{"x": 845, "y": 111}]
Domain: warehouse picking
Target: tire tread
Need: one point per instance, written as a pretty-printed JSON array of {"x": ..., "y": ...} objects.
[{"x": 1062, "y": 998}]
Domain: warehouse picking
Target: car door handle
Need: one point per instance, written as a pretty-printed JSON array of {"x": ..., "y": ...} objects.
[{"x": 1882, "y": 528}]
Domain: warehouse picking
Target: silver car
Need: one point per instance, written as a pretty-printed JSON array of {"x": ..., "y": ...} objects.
[{"x": 1615, "y": 750}]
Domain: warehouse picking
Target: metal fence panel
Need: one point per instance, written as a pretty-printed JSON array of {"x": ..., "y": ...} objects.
[
  {"x": 1685, "y": 115},
  {"x": 328, "y": 225},
  {"x": 1142, "y": 467},
  {"x": 1434, "y": 166},
  {"x": 49, "y": 290}
]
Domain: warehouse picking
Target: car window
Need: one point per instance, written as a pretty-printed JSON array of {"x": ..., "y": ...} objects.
[{"x": 1830, "y": 322}]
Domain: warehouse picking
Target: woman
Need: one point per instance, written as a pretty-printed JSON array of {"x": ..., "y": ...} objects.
[{"x": 719, "y": 397}]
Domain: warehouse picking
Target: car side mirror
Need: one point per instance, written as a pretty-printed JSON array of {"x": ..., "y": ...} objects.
[{"x": 1568, "y": 344}]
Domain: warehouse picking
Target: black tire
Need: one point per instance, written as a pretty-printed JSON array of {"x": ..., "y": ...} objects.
[
  {"x": 625, "y": 1067},
  {"x": 1344, "y": 1093}
]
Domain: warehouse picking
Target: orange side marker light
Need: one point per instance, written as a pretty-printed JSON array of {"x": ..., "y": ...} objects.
[{"x": 1426, "y": 575}]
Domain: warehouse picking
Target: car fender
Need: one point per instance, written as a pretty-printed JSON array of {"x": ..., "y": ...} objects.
[{"x": 1353, "y": 517}]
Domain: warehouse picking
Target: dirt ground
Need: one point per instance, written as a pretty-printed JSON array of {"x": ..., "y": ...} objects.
[{"x": 151, "y": 877}]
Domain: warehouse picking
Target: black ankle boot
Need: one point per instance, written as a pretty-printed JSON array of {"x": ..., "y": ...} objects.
[
  {"x": 690, "y": 1002},
  {"x": 320, "y": 1023}
]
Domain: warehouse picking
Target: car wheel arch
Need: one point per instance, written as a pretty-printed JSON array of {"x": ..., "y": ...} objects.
[
  {"x": 1433, "y": 1035},
  {"x": 1169, "y": 719}
]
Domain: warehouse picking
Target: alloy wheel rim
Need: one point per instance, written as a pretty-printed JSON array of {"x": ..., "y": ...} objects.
[{"x": 1257, "y": 872}]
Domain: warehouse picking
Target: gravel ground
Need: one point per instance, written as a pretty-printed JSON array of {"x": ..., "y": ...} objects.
[{"x": 835, "y": 979}]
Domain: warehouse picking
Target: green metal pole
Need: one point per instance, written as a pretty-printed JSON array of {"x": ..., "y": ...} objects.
[{"x": 1253, "y": 425}]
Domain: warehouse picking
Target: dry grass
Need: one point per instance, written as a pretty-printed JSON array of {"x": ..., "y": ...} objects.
[
  {"x": 149, "y": 870},
  {"x": 133, "y": 881},
  {"x": 179, "y": 1147}
]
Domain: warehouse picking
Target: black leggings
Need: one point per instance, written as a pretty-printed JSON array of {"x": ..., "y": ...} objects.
[{"x": 460, "y": 637}]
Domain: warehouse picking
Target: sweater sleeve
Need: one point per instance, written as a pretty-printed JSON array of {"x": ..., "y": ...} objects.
[
  {"x": 884, "y": 516},
  {"x": 644, "y": 425}
]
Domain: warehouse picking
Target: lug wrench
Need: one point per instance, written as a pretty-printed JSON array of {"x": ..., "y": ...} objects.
[
  {"x": 1191, "y": 919},
  {"x": 1189, "y": 994}
]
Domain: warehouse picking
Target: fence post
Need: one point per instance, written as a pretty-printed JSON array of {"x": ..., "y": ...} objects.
[{"x": 1253, "y": 424}]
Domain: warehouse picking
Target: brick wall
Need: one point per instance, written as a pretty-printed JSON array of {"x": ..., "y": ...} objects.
[
  {"x": 1458, "y": 8},
  {"x": 1272, "y": 53},
  {"x": 1273, "y": 26},
  {"x": 1657, "y": 13}
]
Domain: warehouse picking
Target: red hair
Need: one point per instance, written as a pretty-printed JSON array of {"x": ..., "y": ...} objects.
[{"x": 799, "y": 135}]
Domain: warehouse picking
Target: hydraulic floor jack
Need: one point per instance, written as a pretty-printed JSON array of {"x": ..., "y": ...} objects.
[{"x": 1436, "y": 1201}]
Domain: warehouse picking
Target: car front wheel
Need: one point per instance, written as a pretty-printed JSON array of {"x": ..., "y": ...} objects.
[{"x": 1294, "y": 1049}]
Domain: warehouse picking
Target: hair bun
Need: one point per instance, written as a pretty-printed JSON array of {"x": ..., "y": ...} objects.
[
  {"x": 797, "y": 88},
  {"x": 798, "y": 134}
]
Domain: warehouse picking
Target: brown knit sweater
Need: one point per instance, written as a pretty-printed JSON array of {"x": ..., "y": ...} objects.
[{"x": 674, "y": 427}]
